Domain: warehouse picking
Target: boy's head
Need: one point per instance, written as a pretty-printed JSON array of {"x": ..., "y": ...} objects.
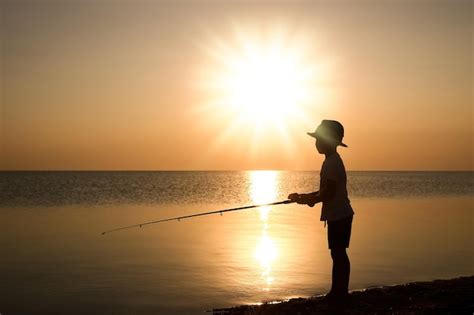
[{"x": 328, "y": 136}]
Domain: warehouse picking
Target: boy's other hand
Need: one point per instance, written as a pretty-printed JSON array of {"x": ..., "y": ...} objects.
[
  {"x": 294, "y": 197},
  {"x": 303, "y": 199}
]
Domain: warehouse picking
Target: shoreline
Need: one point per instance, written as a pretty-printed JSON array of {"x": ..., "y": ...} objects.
[{"x": 452, "y": 296}]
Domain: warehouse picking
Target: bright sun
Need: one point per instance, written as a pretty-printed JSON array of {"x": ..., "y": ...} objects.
[{"x": 262, "y": 84}]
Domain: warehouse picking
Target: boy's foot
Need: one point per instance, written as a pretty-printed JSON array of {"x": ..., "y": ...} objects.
[
  {"x": 328, "y": 298},
  {"x": 336, "y": 299}
]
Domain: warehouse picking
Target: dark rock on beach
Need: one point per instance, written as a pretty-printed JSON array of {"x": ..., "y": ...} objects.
[{"x": 454, "y": 296}]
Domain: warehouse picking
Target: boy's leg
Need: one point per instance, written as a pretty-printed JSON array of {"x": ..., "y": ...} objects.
[
  {"x": 338, "y": 238},
  {"x": 341, "y": 269}
]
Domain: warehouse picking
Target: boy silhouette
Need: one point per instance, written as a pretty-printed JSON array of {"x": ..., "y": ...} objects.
[{"x": 336, "y": 209}]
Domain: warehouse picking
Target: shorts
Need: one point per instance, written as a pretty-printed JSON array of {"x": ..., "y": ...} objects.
[{"x": 339, "y": 233}]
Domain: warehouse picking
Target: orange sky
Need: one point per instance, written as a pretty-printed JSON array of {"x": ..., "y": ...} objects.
[{"x": 104, "y": 85}]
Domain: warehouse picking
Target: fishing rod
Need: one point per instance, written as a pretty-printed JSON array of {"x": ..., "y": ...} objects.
[{"x": 198, "y": 215}]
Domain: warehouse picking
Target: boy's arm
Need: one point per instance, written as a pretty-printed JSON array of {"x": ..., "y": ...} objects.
[{"x": 325, "y": 194}]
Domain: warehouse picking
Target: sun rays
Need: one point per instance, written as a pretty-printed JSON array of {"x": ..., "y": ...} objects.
[{"x": 261, "y": 86}]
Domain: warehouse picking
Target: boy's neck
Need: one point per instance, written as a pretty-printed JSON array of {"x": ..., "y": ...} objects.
[{"x": 330, "y": 152}]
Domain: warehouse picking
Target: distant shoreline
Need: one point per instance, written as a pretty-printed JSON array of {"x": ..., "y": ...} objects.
[{"x": 453, "y": 296}]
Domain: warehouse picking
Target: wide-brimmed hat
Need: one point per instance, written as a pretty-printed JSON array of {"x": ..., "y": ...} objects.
[{"x": 329, "y": 130}]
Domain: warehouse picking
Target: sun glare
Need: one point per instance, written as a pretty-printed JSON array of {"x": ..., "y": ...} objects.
[
  {"x": 262, "y": 85},
  {"x": 263, "y": 190}
]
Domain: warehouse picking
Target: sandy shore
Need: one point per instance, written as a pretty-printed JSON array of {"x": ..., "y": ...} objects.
[{"x": 454, "y": 296}]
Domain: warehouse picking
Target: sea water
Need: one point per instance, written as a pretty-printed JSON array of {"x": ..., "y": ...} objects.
[{"x": 408, "y": 226}]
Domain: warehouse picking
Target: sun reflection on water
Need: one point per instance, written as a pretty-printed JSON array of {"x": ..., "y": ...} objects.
[{"x": 263, "y": 190}]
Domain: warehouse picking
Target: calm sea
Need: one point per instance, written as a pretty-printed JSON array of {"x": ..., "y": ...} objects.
[{"x": 408, "y": 226}]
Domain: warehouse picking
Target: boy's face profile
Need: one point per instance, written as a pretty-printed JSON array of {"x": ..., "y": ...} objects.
[{"x": 323, "y": 146}]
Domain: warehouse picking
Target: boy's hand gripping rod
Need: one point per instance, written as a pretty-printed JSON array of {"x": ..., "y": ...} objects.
[{"x": 198, "y": 215}]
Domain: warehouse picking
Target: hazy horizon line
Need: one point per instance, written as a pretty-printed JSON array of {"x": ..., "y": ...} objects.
[{"x": 216, "y": 170}]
